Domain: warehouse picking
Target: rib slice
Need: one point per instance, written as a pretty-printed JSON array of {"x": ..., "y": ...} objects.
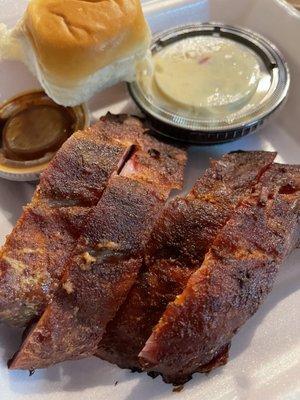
[
  {"x": 106, "y": 259},
  {"x": 237, "y": 273},
  {"x": 178, "y": 245},
  {"x": 32, "y": 260}
]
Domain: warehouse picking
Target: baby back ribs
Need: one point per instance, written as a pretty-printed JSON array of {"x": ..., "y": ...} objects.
[
  {"x": 237, "y": 273},
  {"x": 33, "y": 257},
  {"x": 107, "y": 257},
  {"x": 177, "y": 247}
]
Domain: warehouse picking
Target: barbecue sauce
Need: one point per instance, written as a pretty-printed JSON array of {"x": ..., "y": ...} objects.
[{"x": 32, "y": 126}]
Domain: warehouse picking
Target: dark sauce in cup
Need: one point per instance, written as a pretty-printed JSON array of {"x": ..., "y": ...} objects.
[{"x": 32, "y": 125}]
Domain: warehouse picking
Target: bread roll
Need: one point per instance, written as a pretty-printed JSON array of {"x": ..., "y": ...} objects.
[{"x": 77, "y": 47}]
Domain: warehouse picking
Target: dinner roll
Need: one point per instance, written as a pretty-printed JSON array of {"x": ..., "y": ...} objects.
[{"x": 78, "y": 47}]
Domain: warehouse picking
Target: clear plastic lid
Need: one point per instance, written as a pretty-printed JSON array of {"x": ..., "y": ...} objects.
[{"x": 246, "y": 81}]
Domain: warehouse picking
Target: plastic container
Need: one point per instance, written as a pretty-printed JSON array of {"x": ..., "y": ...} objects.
[
  {"x": 30, "y": 169},
  {"x": 271, "y": 91}
]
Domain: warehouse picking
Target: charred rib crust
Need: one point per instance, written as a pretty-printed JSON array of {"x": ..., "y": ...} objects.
[
  {"x": 177, "y": 247},
  {"x": 108, "y": 254},
  {"x": 237, "y": 274},
  {"x": 69, "y": 188}
]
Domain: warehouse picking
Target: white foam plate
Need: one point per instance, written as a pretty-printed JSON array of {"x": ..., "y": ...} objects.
[{"x": 265, "y": 354}]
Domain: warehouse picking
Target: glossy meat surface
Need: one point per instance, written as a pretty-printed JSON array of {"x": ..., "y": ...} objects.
[
  {"x": 177, "y": 247},
  {"x": 237, "y": 273},
  {"x": 107, "y": 258}
]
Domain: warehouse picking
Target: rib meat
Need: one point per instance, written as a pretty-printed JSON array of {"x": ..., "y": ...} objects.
[
  {"x": 177, "y": 247},
  {"x": 34, "y": 254},
  {"x": 107, "y": 257},
  {"x": 237, "y": 273}
]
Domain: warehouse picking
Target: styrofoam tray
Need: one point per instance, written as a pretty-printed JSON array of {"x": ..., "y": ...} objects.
[{"x": 265, "y": 354}]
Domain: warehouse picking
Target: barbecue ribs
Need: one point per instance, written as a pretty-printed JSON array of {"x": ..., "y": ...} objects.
[
  {"x": 235, "y": 277},
  {"x": 108, "y": 254},
  {"x": 177, "y": 247}
]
